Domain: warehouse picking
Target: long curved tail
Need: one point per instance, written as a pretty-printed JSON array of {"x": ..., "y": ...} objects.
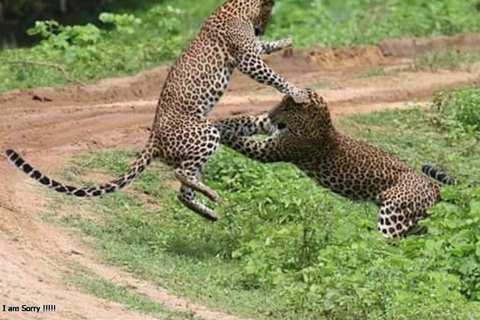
[
  {"x": 145, "y": 158},
  {"x": 438, "y": 174}
]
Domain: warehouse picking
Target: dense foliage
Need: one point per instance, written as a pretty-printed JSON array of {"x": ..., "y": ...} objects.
[
  {"x": 286, "y": 248},
  {"x": 156, "y": 36},
  {"x": 25, "y": 12},
  {"x": 88, "y": 52},
  {"x": 458, "y": 112}
]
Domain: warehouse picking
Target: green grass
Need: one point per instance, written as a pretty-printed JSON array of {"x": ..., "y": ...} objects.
[
  {"x": 432, "y": 61},
  {"x": 333, "y": 23},
  {"x": 457, "y": 111},
  {"x": 375, "y": 72},
  {"x": 286, "y": 248},
  {"x": 125, "y": 46},
  {"x": 414, "y": 136},
  {"x": 107, "y": 290},
  {"x": 322, "y": 85},
  {"x": 446, "y": 60}
]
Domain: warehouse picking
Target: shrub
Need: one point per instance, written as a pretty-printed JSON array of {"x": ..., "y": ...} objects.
[{"x": 458, "y": 111}]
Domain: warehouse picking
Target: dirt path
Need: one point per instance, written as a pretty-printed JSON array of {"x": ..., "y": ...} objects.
[{"x": 50, "y": 125}]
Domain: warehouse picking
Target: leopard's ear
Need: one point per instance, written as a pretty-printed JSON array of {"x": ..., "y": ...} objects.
[
  {"x": 287, "y": 99},
  {"x": 312, "y": 98},
  {"x": 315, "y": 99},
  {"x": 269, "y": 3}
]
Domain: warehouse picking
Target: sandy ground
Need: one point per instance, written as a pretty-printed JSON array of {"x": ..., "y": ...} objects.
[{"x": 50, "y": 125}]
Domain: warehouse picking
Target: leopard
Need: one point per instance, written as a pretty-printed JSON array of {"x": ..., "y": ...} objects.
[
  {"x": 303, "y": 134},
  {"x": 181, "y": 134}
]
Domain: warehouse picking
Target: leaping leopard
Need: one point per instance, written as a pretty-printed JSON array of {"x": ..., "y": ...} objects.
[
  {"x": 181, "y": 135},
  {"x": 303, "y": 134}
]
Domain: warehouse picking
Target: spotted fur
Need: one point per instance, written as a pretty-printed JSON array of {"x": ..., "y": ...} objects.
[
  {"x": 142, "y": 162},
  {"x": 181, "y": 135},
  {"x": 305, "y": 136}
]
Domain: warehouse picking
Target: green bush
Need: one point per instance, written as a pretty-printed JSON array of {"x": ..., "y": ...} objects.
[
  {"x": 143, "y": 39},
  {"x": 458, "y": 110},
  {"x": 432, "y": 277},
  {"x": 330, "y": 22},
  {"x": 88, "y": 52}
]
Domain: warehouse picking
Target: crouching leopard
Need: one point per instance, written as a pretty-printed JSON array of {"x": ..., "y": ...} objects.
[
  {"x": 181, "y": 135},
  {"x": 303, "y": 134}
]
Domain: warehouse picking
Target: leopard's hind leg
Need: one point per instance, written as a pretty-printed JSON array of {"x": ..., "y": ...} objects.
[
  {"x": 190, "y": 170},
  {"x": 187, "y": 196},
  {"x": 190, "y": 182},
  {"x": 393, "y": 221},
  {"x": 403, "y": 207},
  {"x": 190, "y": 176}
]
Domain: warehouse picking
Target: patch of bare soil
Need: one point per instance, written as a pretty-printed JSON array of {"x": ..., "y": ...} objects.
[{"x": 50, "y": 125}]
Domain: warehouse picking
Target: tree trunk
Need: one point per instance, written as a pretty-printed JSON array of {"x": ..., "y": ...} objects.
[
  {"x": 63, "y": 6},
  {"x": 1, "y": 11}
]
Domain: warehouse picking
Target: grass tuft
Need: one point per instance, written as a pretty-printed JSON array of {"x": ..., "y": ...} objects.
[{"x": 104, "y": 289}]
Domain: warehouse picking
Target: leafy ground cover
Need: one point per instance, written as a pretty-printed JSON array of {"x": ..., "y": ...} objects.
[
  {"x": 126, "y": 43},
  {"x": 286, "y": 248}
]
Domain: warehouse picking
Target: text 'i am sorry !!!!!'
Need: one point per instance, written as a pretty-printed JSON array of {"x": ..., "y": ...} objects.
[{"x": 27, "y": 308}]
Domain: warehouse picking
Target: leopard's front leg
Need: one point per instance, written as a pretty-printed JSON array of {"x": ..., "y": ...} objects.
[
  {"x": 264, "y": 151},
  {"x": 245, "y": 126},
  {"x": 268, "y": 47},
  {"x": 246, "y": 50},
  {"x": 257, "y": 69}
]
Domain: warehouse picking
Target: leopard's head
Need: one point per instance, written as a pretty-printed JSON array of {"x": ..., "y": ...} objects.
[
  {"x": 309, "y": 120},
  {"x": 257, "y": 11},
  {"x": 262, "y": 15}
]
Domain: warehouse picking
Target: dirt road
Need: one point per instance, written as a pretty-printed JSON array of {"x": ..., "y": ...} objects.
[{"x": 51, "y": 125}]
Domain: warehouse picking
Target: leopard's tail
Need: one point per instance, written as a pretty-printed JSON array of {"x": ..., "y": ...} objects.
[
  {"x": 438, "y": 174},
  {"x": 144, "y": 159}
]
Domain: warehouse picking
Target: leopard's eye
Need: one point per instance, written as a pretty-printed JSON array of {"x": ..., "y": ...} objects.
[{"x": 281, "y": 126}]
